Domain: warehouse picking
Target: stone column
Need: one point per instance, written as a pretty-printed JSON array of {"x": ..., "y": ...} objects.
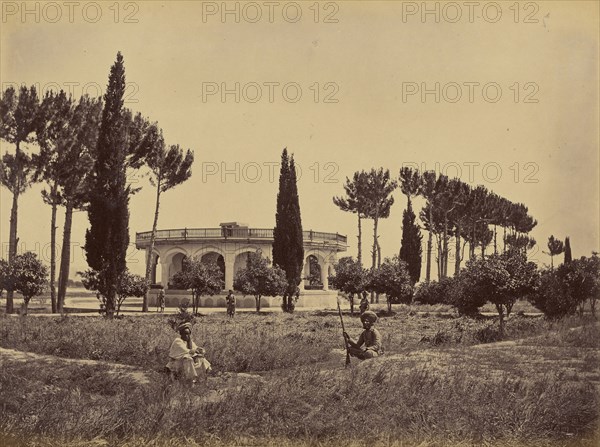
[
  {"x": 164, "y": 273},
  {"x": 229, "y": 259},
  {"x": 325, "y": 275}
]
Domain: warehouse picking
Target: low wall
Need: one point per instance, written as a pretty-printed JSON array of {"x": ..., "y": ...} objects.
[{"x": 308, "y": 298}]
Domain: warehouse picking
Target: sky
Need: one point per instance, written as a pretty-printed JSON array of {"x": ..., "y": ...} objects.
[{"x": 498, "y": 95}]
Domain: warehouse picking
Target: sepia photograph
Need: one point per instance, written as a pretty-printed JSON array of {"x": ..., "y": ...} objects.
[{"x": 300, "y": 223}]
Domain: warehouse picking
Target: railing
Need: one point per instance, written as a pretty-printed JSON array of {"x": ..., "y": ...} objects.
[{"x": 192, "y": 234}]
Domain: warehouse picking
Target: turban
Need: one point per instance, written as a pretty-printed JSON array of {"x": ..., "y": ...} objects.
[
  {"x": 183, "y": 326},
  {"x": 369, "y": 316}
]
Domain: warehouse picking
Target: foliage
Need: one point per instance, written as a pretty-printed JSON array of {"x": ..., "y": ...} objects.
[
  {"x": 183, "y": 315},
  {"x": 562, "y": 290},
  {"x": 27, "y": 275},
  {"x": 379, "y": 202},
  {"x": 434, "y": 292},
  {"x": 410, "y": 247},
  {"x": 393, "y": 279},
  {"x": 130, "y": 285},
  {"x": 555, "y": 247},
  {"x": 288, "y": 245},
  {"x": 500, "y": 279},
  {"x": 260, "y": 279},
  {"x": 168, "y": 167},
  {"x": 4, "y": 278},
  {"x": 568, "y": 255},
  {"x": 350, "y": 278},
  {"x": 18, "y": 123},
  {"x": 355, "y": 202},
  {"x": 107, "y": 238},
  {"x": 67, "y": 135},
  {"x": 201, "y": 278}
]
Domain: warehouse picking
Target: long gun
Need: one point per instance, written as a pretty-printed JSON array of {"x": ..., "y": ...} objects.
[{"x": 343, "y": 331}]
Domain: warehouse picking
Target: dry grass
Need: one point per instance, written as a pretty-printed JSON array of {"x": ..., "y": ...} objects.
[{"x": 542, "y": 391}]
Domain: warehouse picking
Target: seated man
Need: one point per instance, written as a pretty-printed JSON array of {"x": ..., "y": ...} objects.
[
  {"x": 370, "y": 338},
  {"x": 185, "y": 358}
]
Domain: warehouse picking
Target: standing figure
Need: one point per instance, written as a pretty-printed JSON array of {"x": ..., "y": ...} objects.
[
  {"x": 364, "y": 303},
  {"x": 186, "y": 360},
  {"x": 160, "y": 301},
  {"x": 230, "y": 304},
  {"x": 370, "y": 338}
]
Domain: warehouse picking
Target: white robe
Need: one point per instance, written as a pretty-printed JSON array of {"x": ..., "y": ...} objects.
[{"x": 181, "y": 361}]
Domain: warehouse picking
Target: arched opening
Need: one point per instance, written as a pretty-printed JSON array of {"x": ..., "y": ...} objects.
[
  {"x": 241, "y": 261},
  {"x": 214, "y": 257},
  {"x": 178, "y": 263},
  {"x": 312, "y": 274}
]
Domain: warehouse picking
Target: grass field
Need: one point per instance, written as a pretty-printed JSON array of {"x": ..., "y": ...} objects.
[{"x": 439, "y": 383}]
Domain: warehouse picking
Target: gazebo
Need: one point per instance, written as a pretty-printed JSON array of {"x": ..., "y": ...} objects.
[{"x": 229, "y": 246}]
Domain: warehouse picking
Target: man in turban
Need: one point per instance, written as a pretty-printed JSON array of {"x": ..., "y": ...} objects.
[
  {"x": 187, "y": 360},
  {"x": 368, "y": 344}
]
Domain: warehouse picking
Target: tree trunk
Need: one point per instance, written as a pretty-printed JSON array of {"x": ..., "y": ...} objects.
[
  {"x": 374, "y": 253},
  {"x": 495, "y": 246},
  {"x": 65, "y": 258},
  {"x": 257, "y": 299},
  {"x": 12, "y": 243},
  {"x": 457, "y": 260},
  {"x": 359, "y": 256},
  {"x": 501, "y": 315},
  {"x": 504, "y": 241},
  {"x": 439, "y": 258},
  {"x": 53, "y": 250},
  {"x": 445, "y": 249},
  {"x": 151, "y": 247},
  {"x": 429, "y": 244},
  {"x": 374, "y": 297}
]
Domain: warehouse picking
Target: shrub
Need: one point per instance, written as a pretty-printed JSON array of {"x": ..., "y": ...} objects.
[{"x": 434, "y": 292}]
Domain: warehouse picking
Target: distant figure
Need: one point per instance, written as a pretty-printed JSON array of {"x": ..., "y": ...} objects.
[
  {"x": 370, "y": 338},
  {"x": 160, "y": 301},
  {"x": 364, "y": 303},
  {"x": 186, "y": 360},
  {"x": 230, "y": 304}
]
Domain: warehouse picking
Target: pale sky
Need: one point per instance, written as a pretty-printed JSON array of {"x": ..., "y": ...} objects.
[{"x": 360, "y": 71}]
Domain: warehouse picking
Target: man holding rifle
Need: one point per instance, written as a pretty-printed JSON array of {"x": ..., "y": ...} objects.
[{"x": 370, "y": 338}]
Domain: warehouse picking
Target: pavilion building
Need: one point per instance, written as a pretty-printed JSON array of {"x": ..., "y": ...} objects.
[{"x": 229, "y": 246}]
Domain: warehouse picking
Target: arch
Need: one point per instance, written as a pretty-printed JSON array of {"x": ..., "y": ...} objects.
[
  {"x": 168, "y": 255},
  {"x": 240, "y": 260},
  {"x": 176, "y": 265},
  {"x": 208, "y": 249},
  {"x": 313, "y": 277},
  {"x": 216, "y": 257}
]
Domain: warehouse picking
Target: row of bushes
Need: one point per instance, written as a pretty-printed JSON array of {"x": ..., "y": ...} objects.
[{"x": 502, "y": 279}]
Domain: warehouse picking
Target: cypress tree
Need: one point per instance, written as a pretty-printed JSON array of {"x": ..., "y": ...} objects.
[
  {"x": 410, "y": 248},
  {"x": 107, "y": 238},
  {"x": 568, "y": 256},
  {"x": 288, "y": 243}
]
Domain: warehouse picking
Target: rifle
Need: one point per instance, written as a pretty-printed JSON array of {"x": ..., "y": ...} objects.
[{"x": 343, "y": 331}]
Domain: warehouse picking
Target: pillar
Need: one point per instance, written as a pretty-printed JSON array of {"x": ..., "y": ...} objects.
[
  {"x": 325, "y": 275},
  {"x": 164, "y": 269},
  {"x": 229, "y": 259}
]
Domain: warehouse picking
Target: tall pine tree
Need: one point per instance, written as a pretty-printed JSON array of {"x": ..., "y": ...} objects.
[
  {"x": 568, "y": 255},
  {"x": 411, "y": 250},
  {"x": 107, "y": 238},
  {"x": 288, "y": 243}
]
